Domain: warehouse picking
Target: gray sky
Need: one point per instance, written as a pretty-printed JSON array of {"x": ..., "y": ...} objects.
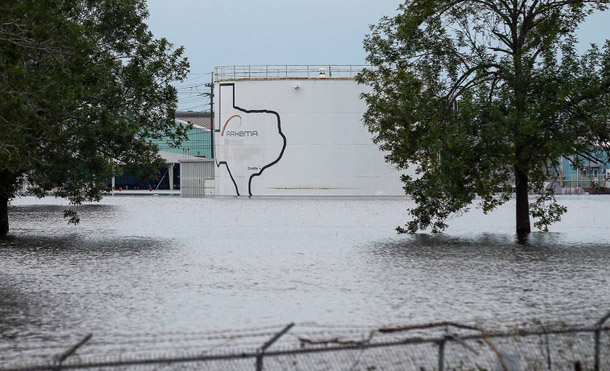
[{"x": 229, "y": 32}]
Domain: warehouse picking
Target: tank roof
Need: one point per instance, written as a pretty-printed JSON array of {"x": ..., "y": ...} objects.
[{"x": 287, "y": 72}]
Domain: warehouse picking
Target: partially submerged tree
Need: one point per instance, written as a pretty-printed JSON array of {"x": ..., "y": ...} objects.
[
  {"x": 479, "y": 95},
  {"x": 84, "y": 85}
]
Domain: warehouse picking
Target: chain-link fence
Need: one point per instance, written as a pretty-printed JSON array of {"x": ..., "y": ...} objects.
[{"x": 434, "y": 346}]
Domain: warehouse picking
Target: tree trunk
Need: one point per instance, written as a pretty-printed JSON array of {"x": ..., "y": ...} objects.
[
  {"x": 3, "y": 216},
  {"x": 523, "y": 211},
  {"x": 7, "y": 180}
]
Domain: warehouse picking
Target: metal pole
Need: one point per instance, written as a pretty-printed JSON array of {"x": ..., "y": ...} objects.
[
  {"x": 561, "y": 173},
  {"x": 598, "y": 332},
  {"x": 212, "y": 116},
  {"x": 261, "y": 352},
  {"x": 171, "y": 176},
  {"x": 548, "y": 352},
  {"x": 259, "y": 361},
  {"x": 62, "y": 357},
  {"x": 441, "y": 354},
  {"x": 597, "y": 350},
  {"x": 181, "y": 179}
]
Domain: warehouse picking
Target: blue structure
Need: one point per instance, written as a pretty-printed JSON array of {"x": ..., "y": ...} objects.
[
  {"x": 198, "y": 144},
  {"x": 587, "y": 174}
]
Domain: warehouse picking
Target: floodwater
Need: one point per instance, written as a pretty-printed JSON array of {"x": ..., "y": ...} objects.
[{"x": 155, "y": 264}]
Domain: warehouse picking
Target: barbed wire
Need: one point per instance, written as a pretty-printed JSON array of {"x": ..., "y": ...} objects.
[{"x": 546, "y": 342}]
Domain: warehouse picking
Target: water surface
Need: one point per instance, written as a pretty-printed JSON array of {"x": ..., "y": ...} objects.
[{"x": 158, "y": 264}]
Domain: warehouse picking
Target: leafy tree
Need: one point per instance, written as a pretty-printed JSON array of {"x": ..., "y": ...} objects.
[
  {"x": 84, "y": 85},
  {"x": 478, "y": 95}
]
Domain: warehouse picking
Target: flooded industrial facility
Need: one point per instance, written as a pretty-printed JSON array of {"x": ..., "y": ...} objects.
[{"x": 157, "y": 264}]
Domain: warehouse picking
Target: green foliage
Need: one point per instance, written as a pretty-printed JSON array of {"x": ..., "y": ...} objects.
[
  {"x": 546, "y": 211},
  {"x": 474, "y": 94},
  {"x": 84, "y": 84}
]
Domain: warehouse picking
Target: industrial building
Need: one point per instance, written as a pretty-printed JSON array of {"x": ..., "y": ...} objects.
[
  {"x": 197, "y": 147},
  {"x": 295, "y": 131},
  {"x": 278, "y": 130}
]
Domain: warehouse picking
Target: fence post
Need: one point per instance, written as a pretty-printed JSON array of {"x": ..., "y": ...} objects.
[
  {"x": 260, "y": 353},
  {"x": 62, "y": 357},
  {"x": 598, "y": 333},
  {"x": 441, "y": 353},
  {"x": 597, "y": 346},
  {"x": 259, "y": 360}
]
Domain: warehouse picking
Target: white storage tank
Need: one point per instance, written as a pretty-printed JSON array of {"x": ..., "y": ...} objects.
[{"x": 295, "y": 131}]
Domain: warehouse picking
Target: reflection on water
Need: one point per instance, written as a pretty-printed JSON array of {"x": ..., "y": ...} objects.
[
  {"x": 152, "y": 264},
  {"x": 494, "y": 279}
]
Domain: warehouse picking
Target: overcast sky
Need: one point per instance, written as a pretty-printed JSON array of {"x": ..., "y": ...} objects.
[{"x": 230, "y": 32}]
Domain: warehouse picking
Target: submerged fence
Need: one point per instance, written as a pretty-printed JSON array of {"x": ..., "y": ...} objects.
[{"x": 434, "y": 346}]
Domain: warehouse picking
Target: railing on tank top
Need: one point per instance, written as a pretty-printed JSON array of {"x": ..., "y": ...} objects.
[{"x": 269, "y": 72}]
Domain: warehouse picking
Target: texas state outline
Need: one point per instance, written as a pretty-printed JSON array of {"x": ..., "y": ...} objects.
[{"x": 279, "y": 129}]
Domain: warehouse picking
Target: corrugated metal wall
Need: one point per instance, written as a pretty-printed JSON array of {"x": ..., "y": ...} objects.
[{"x": 196, "y": 178}]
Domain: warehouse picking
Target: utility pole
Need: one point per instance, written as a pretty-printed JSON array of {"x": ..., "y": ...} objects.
[{"x": 211, "y": 86}]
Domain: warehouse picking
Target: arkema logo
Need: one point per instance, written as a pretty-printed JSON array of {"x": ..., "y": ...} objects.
[
  {"x": 237, "y": 133},
  {"x": 242, "y": 133}
]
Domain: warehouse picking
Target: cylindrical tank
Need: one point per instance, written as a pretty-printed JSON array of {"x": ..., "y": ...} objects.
[{"x": 295, "y": 131}]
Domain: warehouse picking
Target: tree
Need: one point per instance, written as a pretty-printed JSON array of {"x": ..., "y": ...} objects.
[
  {"x": 479, "y": 95},
  {"x": 84, "y": 87}
]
